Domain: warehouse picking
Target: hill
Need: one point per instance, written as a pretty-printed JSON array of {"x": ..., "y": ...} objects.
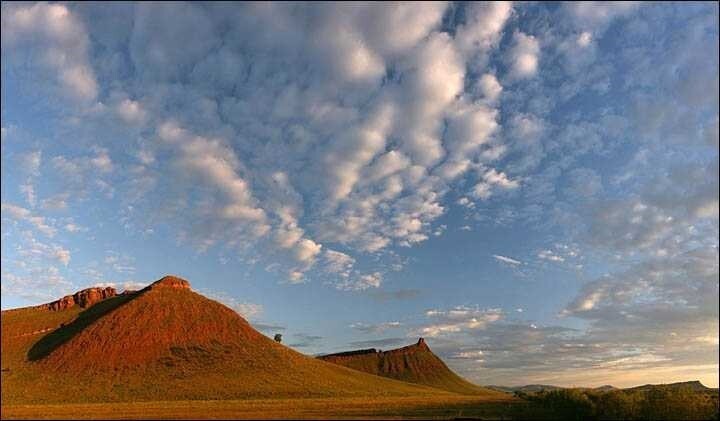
[
  {"x": 164, "y": 342},
  {"x": 694, "y": 386},
  {"x": 414, "y": 363},
  {"x": 530, "y": 388}
]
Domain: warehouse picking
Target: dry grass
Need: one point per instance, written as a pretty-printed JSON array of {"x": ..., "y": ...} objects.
[{"x": 438, "y": 407}]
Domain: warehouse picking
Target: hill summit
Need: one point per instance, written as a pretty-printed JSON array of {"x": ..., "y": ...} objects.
[{"x": 414, "y": 363}]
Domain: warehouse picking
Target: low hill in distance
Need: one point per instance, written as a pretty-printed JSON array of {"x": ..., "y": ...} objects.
[
  {"x": 164, "y": 342},
  {"x": 694, "y": 386},
  {"x": 414, "y": 363},
  {"x": 530, "y": 388}
]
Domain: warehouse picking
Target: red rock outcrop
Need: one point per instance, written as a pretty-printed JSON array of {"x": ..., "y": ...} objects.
[
  {"x": 84, "y": 298},
  {"x": 170, "y": 282}
]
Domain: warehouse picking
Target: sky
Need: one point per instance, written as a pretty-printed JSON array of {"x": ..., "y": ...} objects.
[{"x": 531, "y": 187}]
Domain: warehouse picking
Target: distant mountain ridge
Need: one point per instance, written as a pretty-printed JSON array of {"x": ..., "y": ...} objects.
[{"x": 694, "y": 385}]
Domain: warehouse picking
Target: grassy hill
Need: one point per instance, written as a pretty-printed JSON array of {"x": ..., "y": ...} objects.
[
  {"x": 414, "y": 363},
  {"x": 164, "y": 342}
]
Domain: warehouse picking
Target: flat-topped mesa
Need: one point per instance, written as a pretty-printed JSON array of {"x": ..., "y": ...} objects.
[
  {"x": 414, "y": 363},
  {"x": 84, "y": 298},
  {"x": 421, "y": 345},
  {"x": 170, "y": 282}
]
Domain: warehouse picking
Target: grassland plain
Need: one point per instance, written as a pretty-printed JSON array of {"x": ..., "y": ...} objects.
[{"x": 408, "y": 407}]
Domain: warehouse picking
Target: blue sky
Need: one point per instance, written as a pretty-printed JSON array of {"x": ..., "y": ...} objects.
[{"x": 532, "y": 187}]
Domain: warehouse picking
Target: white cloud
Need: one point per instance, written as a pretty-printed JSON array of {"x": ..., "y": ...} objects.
[
  {"x": 57, "y": 41},
  {"x": 550, "y": 255},
  {"x": 296, "y": 277},
  {"x": 338, "y": 263},
  {"x": 361, "y": 282},
  {"x": 306, "y": 250},
  {"x": 356, "y": 150},
  {"x": 524, "y": 56},
  {"x": 459, "y": 320},
  {"x": 22, "y": 214},
  {"x": 73, "y": 228},
  {"x": 489, "y": 87},
  {"x": 401, "y": 26},
  {"x": 492, "y": 179},
  {"x": 62, "y": 255},
  {"x": 484, "y": 24},
  {"x": 30, "y": 162},
  {"x": 505, "y": 259},
  {"x": 36, "y": 252},
  {"x": 596, "y": 15},
  {"x": 56, "y": 202},
  {"x": 217, "y": 165},
  {"x": 101, "y": 161},
  {"x": 434, "y": 81},
  {"x": 248, "y": 310},
  {"x": 375, "y": 328},
  {"x": 131, "y": 111},
  {"x": 29, "y": 191},
  {"x": 584, "y": 39}
]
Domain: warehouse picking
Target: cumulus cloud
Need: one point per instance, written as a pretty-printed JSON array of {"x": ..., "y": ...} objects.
[
  {"x": 338, "y": 263},
  {"x": 484, "y": 24},
  {"x": 54, "y": 38},
  {"x": 489, "y": 87},
  {"x": 375, "y": 327},
  {"x": 130, "y": 111},
  {"x": 492, "y": 180},
  {"x": 596, "y": 15},
  {"x": 550, "y": 255},
  {"x": 361, "y": 282},
  {"x": 458, "y": 320},
  {"x": 385, "y": 173},
  {"x": 524, "y": 57}
]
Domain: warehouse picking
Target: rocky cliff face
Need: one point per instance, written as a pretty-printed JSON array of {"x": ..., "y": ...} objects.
[
  {"x": 170, "y": 282},
  {"x": 84, "y": 298}
]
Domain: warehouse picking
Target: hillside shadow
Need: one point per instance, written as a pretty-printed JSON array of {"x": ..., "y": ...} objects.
[{"x": 64, "y": 333}]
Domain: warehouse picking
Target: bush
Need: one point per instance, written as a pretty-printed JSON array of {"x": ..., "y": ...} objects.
[{"x": 652, "y": 404}]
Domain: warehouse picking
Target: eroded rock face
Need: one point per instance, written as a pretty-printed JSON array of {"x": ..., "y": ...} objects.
[
  {"x": 61, "y": 304},
  {"x": 171, "y": 282},
  {"x": 84, "y": 298},
  {"x": 90, "y": 296}
]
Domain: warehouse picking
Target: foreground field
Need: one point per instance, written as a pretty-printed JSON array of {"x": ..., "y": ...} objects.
[{"x": 440, "y": 407}]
